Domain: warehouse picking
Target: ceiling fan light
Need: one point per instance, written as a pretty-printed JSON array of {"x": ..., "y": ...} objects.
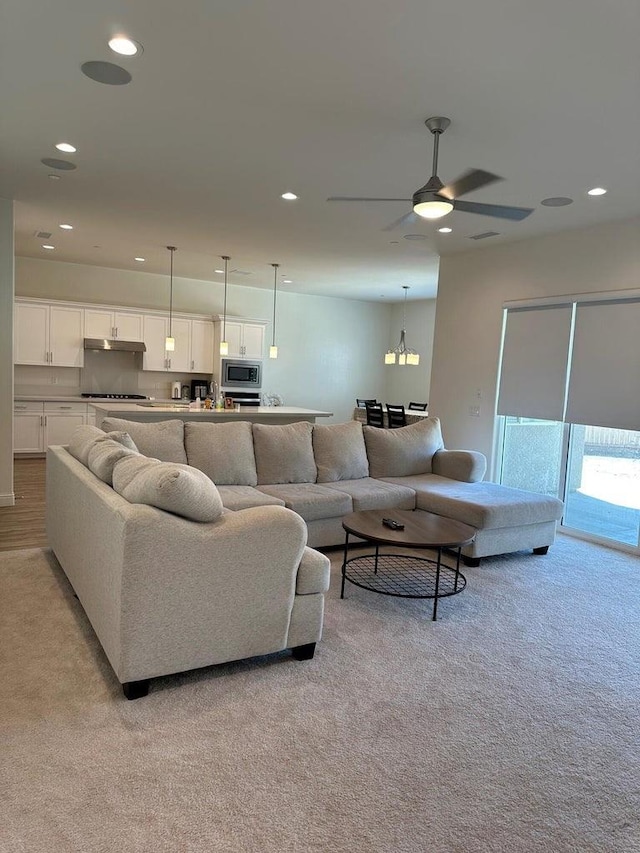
[
  {"x": 432, "y": 209},
  {"x": 169, "y": 344}
]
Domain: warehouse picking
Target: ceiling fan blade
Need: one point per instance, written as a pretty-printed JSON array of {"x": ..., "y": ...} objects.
[
  {"x": 356, "y": 198},
  {"x": 471, "y": 180},
  {"x": 499, "y": 210},
  {"x": 403, "y": 220}
]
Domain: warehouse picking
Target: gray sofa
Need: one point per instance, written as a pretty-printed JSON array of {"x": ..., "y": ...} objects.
[{"x": 324, "y": 472}]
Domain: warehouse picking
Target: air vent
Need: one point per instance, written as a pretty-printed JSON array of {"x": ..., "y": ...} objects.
[
  {"x": 484, "y": 235},
  {"x": 42, "y": 235},
  {"x": 239, "y": 272}
]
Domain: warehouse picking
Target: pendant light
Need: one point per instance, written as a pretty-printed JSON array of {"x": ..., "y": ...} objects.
[
  {"x": 402, "y": 353},
  {"x": 224, "y": 345},
  {"x": 170, "y": 341},
  {"x": 273, "y": 349}
]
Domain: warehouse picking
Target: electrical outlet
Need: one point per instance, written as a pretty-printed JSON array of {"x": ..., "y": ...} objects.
[
  {"x": 54, "y": 379},
  {"x": 474, "y": 411}
]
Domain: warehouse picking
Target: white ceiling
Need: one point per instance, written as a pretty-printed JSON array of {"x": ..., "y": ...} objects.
[{"x": 233, "y": 103}]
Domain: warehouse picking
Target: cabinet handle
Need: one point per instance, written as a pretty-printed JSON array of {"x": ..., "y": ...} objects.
[
  {"x": 51, "y": 354},
  {"x": 116, "y": 331},
  {"x": 64, "y": 407},
  {"x": 192, "y": 364},
  {"x": 169, "y": 360},
  {"x": 45, "y": 420},
  {"x": 41, "y": 420},
  {"x": 20, "y": 407}
]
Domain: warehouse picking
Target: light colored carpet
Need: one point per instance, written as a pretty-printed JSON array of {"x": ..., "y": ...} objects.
[{"x": 509, "y": 725}]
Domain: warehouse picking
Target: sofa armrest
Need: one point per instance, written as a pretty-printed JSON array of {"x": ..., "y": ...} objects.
[
  {"x": 469, "y": 466},
  {"x": 313, "y": 573}
]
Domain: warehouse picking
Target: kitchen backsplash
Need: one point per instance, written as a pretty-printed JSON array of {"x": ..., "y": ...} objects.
[{"x": 108, "y": 373}]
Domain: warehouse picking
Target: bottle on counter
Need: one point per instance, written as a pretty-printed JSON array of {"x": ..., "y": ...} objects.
[
  {"x": 198, "y": 404},
  {"x": 207, "y": 402},
  {"x": 220, "y": 402}
]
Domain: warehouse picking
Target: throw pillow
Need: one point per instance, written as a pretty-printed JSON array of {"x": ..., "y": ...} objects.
[
  {"x": 340, "y": 452},
  {"x": 404, "y": 451},
  {"x": 163, "y": 440},
  {"x": 170, "y": 486},
  {"x": 223, "y": 451},
  {"x": 85, "y": 436},
  {"x": 284, "y": 454},
  {"x": 104, "y": 454}
]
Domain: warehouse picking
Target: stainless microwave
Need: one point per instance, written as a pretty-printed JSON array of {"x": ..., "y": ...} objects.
[{"x": 241, "y": 374}]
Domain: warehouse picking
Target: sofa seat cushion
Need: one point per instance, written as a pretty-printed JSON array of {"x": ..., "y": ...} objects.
[
  {"x": 284, "y": 453},
  {"x": 243, "y": 497},
  {"x": 482, "y": 505},
  {"x": 223, "y": 451},
  {"x": 367, "y": 493},
  {"x": 163, "y": 440},
  {"x": 313, "y": 573},
  {"x": 404, "y": 451},
  {"x": 179, "y": 489},
  {"x": 339, "y": 452},
  {"x": 310, "y": 500}
]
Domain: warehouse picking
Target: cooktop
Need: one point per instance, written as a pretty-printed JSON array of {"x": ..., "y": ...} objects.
[{"x": 115, "y": 396}]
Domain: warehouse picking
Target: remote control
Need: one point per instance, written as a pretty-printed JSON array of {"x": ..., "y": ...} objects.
[{"x": 394, "y": 525}]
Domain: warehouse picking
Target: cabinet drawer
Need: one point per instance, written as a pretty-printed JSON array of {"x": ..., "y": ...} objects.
[
  {"x": 66, "y": 408},
  {"x": 20, "y": 406}
]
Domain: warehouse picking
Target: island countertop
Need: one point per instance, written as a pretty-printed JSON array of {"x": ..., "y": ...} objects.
[{"x": 152, "y": 412}]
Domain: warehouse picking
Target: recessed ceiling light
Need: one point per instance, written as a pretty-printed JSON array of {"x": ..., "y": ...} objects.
[
  {"x": 286, "y": 281},
  {"x": 220, "y": 272},
  {"x": 289, "y": 196},
  {"x": 445, "y": 230},
  {"x": 140, "y": 260},
  {"x": 67, "y": 147},
  {"x": 66, "y": 227},
  {"x": 54, "y": 177},
  {"x": 47, "y": 246},
  {"x": 596, "y": 191},
  {"x": 124, "y": 46}
]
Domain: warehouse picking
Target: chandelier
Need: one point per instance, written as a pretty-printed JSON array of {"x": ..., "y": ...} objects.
[{"x": 402, "y": 354}]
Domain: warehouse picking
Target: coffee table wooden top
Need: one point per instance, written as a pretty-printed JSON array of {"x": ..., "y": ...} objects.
[{"x": 421, "y": 529}]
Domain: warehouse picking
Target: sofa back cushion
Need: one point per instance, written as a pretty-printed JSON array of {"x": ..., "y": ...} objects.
[
  {"x": 340, "y": 452},
  {"x": 404, "y": 451},
  {"x": 85, "y": 436},
  {"x": 164, "y": 440},
  {"x": 284, "y": 454},
  {"x": 103, "y": 456},
  {"x": 175, "y": 488},
  {"x": 224, "y": 452}
]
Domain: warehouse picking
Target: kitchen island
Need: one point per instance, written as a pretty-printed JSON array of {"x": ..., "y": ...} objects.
[{"x": 152, "y": 412}]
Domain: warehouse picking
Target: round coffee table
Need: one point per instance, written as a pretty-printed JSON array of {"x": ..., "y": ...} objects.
[{"x": 405, "y": 575}]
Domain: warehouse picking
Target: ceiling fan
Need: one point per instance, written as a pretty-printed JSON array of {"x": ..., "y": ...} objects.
[{"x": 436, "y": 199}]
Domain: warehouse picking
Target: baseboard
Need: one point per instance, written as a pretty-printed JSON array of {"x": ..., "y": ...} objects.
[{"x": 8, "y": 499}]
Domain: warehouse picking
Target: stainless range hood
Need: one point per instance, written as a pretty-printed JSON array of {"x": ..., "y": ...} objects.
[{"x": 115, "y": 344}]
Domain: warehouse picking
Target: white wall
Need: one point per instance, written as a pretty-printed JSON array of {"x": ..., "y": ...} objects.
[
  {"x": 472, "y": 288},
  {"x": 6, "y": 352},
  {"x": 330, "y": 350}
]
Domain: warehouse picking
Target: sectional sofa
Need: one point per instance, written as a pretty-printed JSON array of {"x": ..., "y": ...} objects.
[{"x": 190, "y": 544}]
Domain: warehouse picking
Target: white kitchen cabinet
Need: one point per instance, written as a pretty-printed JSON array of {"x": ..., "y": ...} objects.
[
  {"x": 51, "y": 335},
  {"x": 117, "y": 325},
  {"x": 156, "y": 357},
  {"x": 28, "y": 427},
  {"x": 36, "y": 425},
  {"x": 60, "y": 420},
  {"x": 201, "y": 346},
  {"x": 245, "y": 338}
]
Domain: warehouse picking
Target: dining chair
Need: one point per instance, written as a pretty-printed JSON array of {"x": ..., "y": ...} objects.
[
  {"x": 418, "y": 407},
  {"x": 375, "y": 415},
  {"x": 361, "y": 403},
  {"x": 396, "y": 416}
]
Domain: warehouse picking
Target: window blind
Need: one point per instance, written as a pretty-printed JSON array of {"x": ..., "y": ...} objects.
[
  {"x": 535, "y": 359},
  {"x": 604, "y": 383}
]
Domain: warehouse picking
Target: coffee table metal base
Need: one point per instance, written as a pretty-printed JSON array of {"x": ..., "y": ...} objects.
[{"x": 403, "y": 575}]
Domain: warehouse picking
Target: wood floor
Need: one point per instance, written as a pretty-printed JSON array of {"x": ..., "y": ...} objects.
[{"x": 22, "y": 525}]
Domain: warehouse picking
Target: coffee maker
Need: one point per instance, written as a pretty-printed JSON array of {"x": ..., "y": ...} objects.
[{"x": 199, "y": 388}]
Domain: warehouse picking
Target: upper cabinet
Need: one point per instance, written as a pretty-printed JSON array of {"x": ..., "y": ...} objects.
[
  {"x": 245, "y": 337},
  {"x": 156, "y": 357},
  {"x": 48, "y": 334},
  {"x": 201, "y": 346},
  {"x": 122, "y": 325}
]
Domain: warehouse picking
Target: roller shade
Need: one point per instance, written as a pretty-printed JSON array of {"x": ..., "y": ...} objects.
[
  {"x": 604, "y": 384},
  {"x": 535, "y": 359}
]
